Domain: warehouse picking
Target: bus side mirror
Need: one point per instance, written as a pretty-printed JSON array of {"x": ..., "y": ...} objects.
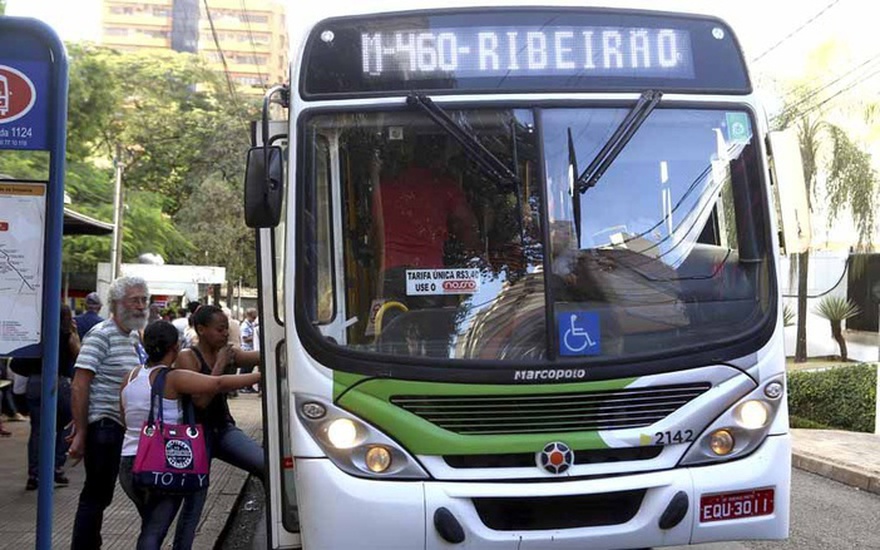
[
  {"x": 791, "y": 191},
  {"x": 263, "y": 187}
]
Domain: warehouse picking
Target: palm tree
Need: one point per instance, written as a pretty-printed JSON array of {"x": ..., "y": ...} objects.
[
  {"x": 851, "y": 184},
  {"x": 837, "y": 309}
]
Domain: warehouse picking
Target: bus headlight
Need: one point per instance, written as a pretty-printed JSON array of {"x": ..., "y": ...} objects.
[
  {"x": 355, "y": 446},
  {"x": 752, "y": 415},
  {"x": 741, "y": 428},
  {"x": 721, "y": 442},
  {"x": 342, "y": 433},
  {"x": 378, "y": 459}
]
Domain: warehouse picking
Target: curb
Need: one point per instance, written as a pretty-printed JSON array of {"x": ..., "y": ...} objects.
[{"x": 825, "y": 468}]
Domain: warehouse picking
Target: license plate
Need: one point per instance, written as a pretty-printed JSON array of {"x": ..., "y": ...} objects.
[{"x": 745, "y": 504}]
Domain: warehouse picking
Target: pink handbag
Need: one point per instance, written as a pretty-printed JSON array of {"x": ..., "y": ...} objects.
[{"x": 171, "y": 458}]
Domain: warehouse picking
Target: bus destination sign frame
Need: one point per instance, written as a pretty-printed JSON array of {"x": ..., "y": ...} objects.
[{"x": 524, "y": 50}]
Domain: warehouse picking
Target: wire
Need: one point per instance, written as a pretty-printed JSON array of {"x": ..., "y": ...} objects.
[
  {"x": 232, "y": 95},
  {"x": 839, "y": 92},
  {"x": 837, "y": 284},
  {"x": 817, "y": 91},
  {"x": 797, "y": 30},
  {"x": 253, "y": 44}
]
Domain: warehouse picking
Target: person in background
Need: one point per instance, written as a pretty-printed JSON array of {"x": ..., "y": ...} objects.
[
  {"x": 190, "y": 336},
  {"x": 234, "y": 328},
  {"x": 90, "y": 318},
  {"x": 68, "y": 350},
  {"x": 7, "y": 389},
  {"x": 247, "y": 329},
  {"x": 181, "y": 322},
  {"x": 248, "y": 334},
  {"x": 107, "y": 355},
  {"x": 157, "y": 510},
  {"x": 154, "y": 314}
]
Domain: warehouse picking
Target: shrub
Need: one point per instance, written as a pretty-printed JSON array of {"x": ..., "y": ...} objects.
[{"x": 841, "y": 398}]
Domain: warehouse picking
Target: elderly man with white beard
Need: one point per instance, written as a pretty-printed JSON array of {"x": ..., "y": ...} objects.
[{"x": 105, "y": 359}]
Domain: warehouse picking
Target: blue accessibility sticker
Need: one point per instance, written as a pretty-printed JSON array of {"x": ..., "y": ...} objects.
[{"x": 578, "y": 333}]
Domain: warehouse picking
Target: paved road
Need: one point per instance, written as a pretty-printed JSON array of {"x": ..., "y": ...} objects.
[{"x": 825, "y": 515}]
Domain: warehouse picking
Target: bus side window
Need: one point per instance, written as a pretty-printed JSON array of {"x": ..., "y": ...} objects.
[{"x": 318, "y": 245}]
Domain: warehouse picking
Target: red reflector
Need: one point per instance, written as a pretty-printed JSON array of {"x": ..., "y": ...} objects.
[
  {"x": 288, "y": 463},
  {"x": 745, "y": 504}
]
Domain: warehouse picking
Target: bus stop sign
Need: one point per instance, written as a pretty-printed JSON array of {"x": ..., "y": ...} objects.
[{"x": 33, "y": 117}]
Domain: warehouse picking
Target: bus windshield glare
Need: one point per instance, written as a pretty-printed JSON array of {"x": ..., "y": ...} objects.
[{"x": 439, "y": 259}]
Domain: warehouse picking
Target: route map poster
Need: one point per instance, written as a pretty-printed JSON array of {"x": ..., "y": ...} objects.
[{"x": 22, "y": 223}]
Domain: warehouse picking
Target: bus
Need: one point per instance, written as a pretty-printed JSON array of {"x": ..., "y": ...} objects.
[{"x": 519, "y": 283}]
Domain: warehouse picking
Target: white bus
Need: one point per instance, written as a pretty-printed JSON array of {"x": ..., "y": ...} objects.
[{"x": 519, "y": 284}]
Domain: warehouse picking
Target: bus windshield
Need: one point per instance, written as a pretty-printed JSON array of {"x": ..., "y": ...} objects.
[{"x": 426, "y": 255}]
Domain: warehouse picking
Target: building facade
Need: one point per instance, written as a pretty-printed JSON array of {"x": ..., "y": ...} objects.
[{"x": 249, "y": 35}]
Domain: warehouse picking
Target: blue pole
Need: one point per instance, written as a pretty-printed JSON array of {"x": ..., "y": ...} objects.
[{"x": 51, "y": 282}]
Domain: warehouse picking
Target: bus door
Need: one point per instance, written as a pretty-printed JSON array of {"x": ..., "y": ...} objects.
[{"x": 282, "y": 519}]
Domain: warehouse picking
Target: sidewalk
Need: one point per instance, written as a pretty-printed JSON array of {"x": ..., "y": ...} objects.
[
  {"x": 18, "y": 508},
  {"x": 848, "y": 457}
]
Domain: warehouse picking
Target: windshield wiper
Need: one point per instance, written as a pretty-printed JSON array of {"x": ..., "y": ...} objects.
[
  {"x": 615, "y": 144},
  {"x": 488, "y": 162}
]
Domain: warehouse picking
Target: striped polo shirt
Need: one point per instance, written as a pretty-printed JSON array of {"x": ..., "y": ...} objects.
[{"x": 111, "y": 354}]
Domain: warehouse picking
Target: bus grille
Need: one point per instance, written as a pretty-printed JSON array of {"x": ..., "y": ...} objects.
[{"x": 545, "y": 413}]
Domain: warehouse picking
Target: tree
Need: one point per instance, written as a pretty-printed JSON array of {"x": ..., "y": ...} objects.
[
  {"x": 850, "y": 184},
  {"x": 837, "y": 309},
  {"x": 214, "y": 221},
  {"x": 178, "y": 127}
]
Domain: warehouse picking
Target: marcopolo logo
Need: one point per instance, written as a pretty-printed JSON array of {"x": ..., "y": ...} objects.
[
  {"x": 178, "y": 454},
  {"x": 550, "y": 374},
  {"x": 17, "y": 94}
]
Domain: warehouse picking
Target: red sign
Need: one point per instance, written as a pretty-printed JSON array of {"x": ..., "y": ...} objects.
[
  {"x": 745, "y": 504},
  {"x": 462, "y": 286},
  {"x": 17, "y": 94},
  {"x": 4, "y": 226}
]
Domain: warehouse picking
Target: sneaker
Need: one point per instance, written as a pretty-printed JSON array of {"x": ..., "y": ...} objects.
[
  {"x": 31, "y": 484},
  {"x": 61, "y": 479}
]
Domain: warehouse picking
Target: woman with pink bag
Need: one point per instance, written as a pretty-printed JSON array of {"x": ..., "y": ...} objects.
[{"x": 158, "y": 492}]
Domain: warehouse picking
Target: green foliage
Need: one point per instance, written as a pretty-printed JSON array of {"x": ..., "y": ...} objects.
[
  {"x": 837, "y": 308},
  {"x": 213, "y": 219},
  {"x": 840, "y": 398},
  {"x": 798, "y": 422},
  {"x": 176, "y": 127},
  {"x": 852, "y": 182},
  {"x": 788, "y": 316}
]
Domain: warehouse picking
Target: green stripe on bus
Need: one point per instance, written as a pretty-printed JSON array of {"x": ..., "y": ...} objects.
[{"x": 371, "y": 401}]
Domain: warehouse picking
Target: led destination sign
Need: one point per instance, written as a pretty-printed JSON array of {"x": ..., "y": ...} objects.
[
  {"x": 478, "y": 52},
  {"x": 521, "y": 50}
]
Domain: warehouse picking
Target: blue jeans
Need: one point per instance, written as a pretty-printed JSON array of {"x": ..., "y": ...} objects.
[
  {"x": 103, "y": 448},
  {"x": 157, "y": 510},
  {"x": 62, "y": 418},
  {"x": 232, "y": 446}
]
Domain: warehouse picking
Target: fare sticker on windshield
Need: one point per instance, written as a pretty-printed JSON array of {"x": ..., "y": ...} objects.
[{"x": 436, "y": 282}]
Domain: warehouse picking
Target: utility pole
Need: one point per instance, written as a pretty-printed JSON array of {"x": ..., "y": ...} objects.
[{"x": 116, "y": 245}]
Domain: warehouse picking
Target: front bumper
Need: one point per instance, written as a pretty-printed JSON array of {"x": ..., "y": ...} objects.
[{"x": 339, "y": 511}]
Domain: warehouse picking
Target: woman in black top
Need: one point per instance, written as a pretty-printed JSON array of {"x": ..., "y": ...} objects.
[{"x": 213, "y": 355}]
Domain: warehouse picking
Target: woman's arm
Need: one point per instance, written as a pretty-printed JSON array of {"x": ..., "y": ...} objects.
[
  {"x": 187, "y": 361},
  {"x": 192, "y": 383},
  {"x": 242, "y": 358}
]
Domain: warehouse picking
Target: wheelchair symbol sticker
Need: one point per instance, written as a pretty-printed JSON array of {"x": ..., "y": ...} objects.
[{"x": 578, "y": 333}]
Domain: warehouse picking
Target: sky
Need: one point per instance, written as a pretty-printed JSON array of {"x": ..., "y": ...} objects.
[{"x": 758, "y": 23}]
